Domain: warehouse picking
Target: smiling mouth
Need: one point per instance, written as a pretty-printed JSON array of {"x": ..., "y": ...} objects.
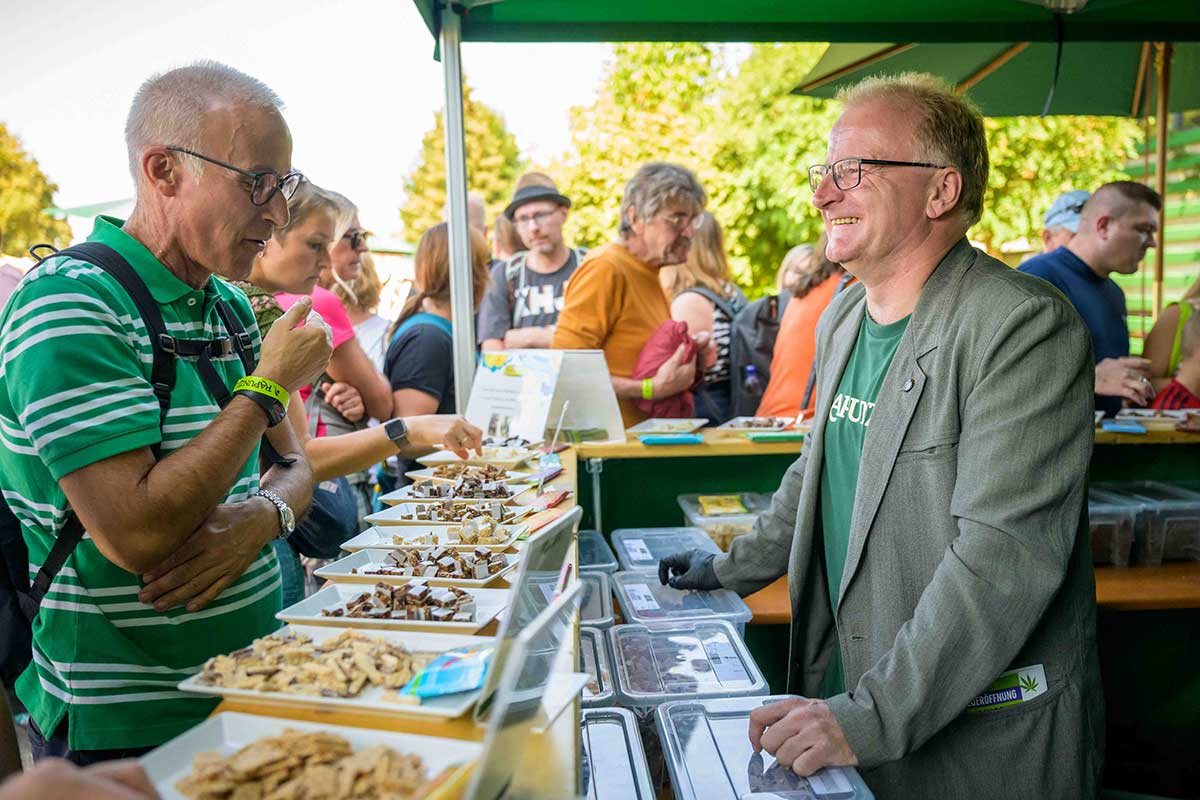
[
  {"x": 844, "y": 220},
  {"x": 259, "y": 243}
]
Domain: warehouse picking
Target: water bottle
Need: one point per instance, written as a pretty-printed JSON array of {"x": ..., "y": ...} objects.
[{"x": 751, "y": 383}]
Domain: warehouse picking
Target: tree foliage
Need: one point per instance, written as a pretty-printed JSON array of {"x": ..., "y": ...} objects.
[
  {"x": 25, "y": 193},
  {"x": 652, "y": 106},
  {"x": 493, "y": 163}
]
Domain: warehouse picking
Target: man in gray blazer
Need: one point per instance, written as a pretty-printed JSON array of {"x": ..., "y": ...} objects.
[{"x": 933, "y": 532}]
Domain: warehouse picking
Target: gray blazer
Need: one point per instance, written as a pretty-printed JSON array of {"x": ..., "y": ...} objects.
[{"x": 969, "y": 548}]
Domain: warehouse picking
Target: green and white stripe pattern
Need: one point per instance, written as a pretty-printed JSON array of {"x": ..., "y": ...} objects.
[{"x": 74, "y": 389}]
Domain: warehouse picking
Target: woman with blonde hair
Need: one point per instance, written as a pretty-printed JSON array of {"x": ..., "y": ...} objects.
[
  {"x": 420, "y": 353},
  {"x": 361, "y": 299},
  {"x": 1163, "y": 345},
  {"x": 703, "y": 296}
]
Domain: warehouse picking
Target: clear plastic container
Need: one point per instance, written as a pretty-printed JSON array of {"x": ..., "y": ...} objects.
[
  {"x": 724, "y": 517},
  {"x": 652, "y": 665},
  {"x": 595, "y": 554},
  {"x": 594, "y": 660},
  {"x": 614, "y": 761},
  {"x": 1111, "y": 520},
  {"x": 596, "y": 607},
  {"x": 709, "y": 757},
  {"x": 1168, "y": 526},
  {"x": 640, "y": 549},
  {"x": 645, "y": 601}
]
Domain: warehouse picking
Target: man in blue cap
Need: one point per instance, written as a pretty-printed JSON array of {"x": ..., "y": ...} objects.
[
  {"x": 1115, "y": 227},
  {"x": 1062, "y": 220}
]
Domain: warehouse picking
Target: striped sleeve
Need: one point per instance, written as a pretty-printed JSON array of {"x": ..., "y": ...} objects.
[{"x": 75, "y": 363}]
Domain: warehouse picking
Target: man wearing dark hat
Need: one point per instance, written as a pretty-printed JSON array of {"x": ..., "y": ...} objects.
[{"x": 521, "y": 307}]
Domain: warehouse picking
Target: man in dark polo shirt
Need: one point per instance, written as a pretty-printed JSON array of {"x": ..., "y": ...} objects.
[{"x": 1116, "y": 227}]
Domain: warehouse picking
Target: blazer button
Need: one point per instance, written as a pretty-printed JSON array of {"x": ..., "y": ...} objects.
[{"x": 908, "y": 385}]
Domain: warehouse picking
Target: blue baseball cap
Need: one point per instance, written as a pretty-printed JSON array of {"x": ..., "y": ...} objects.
[{"x": 1064, "y": 211}]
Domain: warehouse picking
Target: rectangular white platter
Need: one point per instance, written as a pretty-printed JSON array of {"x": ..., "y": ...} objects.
[
  {"x": 230, "y": 731},
  {"x": 383, "y": 538},
  {"x": 405, "y": 495},
  {"x": 488, "y": 603},
  {"x": 372, "y": 698},
  {"x": 396, "y": 513},
  {"x": 427, "y": 474},
  {"x": 340, "y": 571}
]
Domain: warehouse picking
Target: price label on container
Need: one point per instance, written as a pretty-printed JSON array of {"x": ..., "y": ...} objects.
[
  {"x": 637, "y": 550},
  {"x": 831, "y": 783},
  {"x": 641, "y": 597},
  {"x": 725, "y": 662},
  {"x": 547, "y": 591}
]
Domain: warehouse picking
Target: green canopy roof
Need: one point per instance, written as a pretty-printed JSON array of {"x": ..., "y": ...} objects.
[{"x": 818, "y": 20}]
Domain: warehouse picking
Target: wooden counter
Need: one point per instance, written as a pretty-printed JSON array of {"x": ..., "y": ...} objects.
[
  {"x": 1172, "y": 585},
  {"x": 716, "y": 443},
  {"x": 549, "y": 767}
]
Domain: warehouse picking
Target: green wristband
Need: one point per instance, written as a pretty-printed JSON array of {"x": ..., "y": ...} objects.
[
  {"x": 648, "y": 388},
  {"x": 263, "y": 386}
]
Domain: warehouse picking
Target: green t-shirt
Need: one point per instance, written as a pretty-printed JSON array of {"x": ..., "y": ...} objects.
[
  {"x": 845, "y": 432},
  {"x": 74, "y": 389}
]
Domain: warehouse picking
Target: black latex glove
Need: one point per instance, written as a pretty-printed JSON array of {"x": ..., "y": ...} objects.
[{"x": 691, "y": 569}]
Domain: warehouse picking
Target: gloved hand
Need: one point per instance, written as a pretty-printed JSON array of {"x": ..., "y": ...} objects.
[{"x": 691, "y": 569}]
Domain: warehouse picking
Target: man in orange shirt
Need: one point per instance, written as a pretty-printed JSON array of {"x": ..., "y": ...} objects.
[
  {"x": 614, "y": 302},
  {"x": 791, "y": 363}
]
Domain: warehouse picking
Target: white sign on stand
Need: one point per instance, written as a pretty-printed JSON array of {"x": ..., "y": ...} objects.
[{"x": 522, "y": 392}]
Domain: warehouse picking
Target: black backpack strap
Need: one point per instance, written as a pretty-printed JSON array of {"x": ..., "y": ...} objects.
[
  {"x": 714, "y": 298},
  {"x": 64, "y": 544},
  {"x": 162, "y": 371}
]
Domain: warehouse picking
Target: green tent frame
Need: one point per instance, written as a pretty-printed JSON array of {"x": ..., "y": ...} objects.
[{"x": 451, "y": 24}]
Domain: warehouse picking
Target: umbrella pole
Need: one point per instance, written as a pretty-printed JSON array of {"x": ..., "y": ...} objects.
[
  {"x": 462, "y": 290},
  {"x": 1160, "y": 167}
]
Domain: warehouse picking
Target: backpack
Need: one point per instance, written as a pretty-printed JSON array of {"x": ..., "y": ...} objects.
[
  {"x": 514, "y": 276},
  {"x": 752, "y": 343},
  {"x": 20, "y": 599}
]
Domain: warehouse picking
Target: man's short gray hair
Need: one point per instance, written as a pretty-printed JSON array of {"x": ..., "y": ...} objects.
[
  {"x": 653, "y": 186},
  {"x": 169, "y": 108}
]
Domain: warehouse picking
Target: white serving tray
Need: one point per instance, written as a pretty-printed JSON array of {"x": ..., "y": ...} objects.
[
  {"x": 488, "y": 603},
  {"x": 422, "y": 475},
  {"x": 731, "y": 425},
  {"x": 372, "y": 698},
  {"x": 509, "y": 461},
  {"x": 405, "y": 495},
  {"x": 340, "y": 571},
  {"x": 380, "y": 538},
  {"x": 395, "y": 514},
  {"x": 661, "y": 425},
  {"x": 230, "y": 731}
]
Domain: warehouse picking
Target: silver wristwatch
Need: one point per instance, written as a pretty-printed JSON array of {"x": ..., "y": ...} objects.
[{"x": 287, "y": 520}]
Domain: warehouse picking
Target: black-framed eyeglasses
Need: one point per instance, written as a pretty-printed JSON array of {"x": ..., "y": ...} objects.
[
  {"x": 847, "y": 172},
  {"x": 680, "y": 220},
  {"x": 263, "y": 185},
  {"x": 538, "y": 219},
  {"x": 356, "y": 238}
]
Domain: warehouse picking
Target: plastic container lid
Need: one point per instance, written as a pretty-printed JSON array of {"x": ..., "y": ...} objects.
[
  {"x": 642, "y": 548},
  {"x": 596, "y": 607},
  {"x": 595, "y": 554},
  {"x": 594, "y": 660},
  {"x": 652, "y": 665},
  {"x": 1169, "y": 523},
  {"x": 728, "y": 515},
  {"x": 614, "y": 761},
  {"x": 709, "y": 756},
  {"x": 1111, "y": 521},
  {"x": 645, "y": 601}
]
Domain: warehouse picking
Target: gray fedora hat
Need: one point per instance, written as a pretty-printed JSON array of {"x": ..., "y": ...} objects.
[{"x": 528, "y": 194}]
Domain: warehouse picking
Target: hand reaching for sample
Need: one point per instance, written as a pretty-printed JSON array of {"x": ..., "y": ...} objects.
[
  {"x": 801, "y": 733},
  {"x": 213, "y": 557},
  {"x": 294, "y": 354},
  {"x": 450, "y": 431},
  {"x": 690, "y": 569},
  {"x": 1125, "y": 377},
  {"x": 346, "y": 400},
  {"x": 675, "y": 375}
]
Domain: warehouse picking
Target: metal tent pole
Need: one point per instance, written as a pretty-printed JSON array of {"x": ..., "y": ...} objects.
[
  {"x": 1160, "y": 168},
  {"x": 462, "y": 291}
]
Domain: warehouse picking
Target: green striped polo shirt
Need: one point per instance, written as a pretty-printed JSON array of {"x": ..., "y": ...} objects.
[{"x": 75, "y": 389}]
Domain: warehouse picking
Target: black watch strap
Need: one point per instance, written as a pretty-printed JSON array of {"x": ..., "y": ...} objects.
[{"x": 274, "y": 409}]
